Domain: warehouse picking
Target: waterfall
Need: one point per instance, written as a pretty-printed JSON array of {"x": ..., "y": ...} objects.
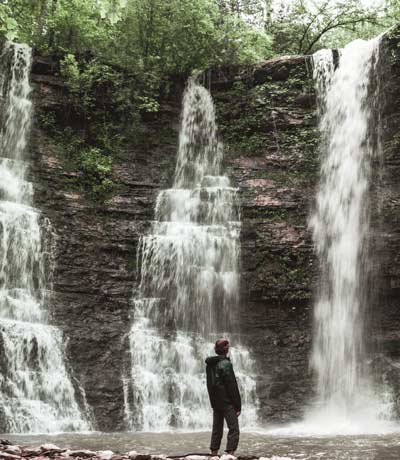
[
  {"x": 36, "y": 392},
  {"x": 340, "y": 227},
  {"x": 189, "y": 288}
]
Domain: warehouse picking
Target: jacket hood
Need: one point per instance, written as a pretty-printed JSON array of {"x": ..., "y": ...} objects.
[{"x": 213, "y": 360}]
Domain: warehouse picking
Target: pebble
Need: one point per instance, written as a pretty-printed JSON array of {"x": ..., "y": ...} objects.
[{"x": 105, "y": 454}]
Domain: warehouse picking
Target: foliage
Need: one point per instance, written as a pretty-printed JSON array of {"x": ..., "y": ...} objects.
[
  {"x": 303, "y": 26},
  {"x": 92, "y": 165},
  {"x": 96, "y": 168},
  {"x": 177, "y": 36},
  {"x": 8, "y": 25},
  {"x": 155, "y": 38}
]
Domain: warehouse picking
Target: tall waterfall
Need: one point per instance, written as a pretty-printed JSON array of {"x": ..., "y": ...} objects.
[
  {"x": 36, "y": 392},
  {"x": 189, "y": 289},
  {"x": 340, "y": 227}
]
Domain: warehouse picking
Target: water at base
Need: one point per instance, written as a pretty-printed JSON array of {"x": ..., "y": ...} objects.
[
  {"x": 188, "y": 294},
  {"x": 36, "y": 392},
  {"x": 348, "y": 400},
  {"x": 274, "y": 447}
]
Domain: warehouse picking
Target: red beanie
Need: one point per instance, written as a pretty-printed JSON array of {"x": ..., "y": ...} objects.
[{"x": 221, "y": 346}]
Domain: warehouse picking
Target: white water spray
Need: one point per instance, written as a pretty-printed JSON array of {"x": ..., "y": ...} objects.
[
  {"x": 36, "y": 392},
  {"x": 346, "y": 398},
  {"x": 189, "y": 288}
]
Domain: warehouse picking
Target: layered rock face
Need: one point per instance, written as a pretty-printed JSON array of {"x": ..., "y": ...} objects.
[{"x": 267, "y": 120}]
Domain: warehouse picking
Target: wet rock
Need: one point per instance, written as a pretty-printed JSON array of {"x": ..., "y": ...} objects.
[
  {"x": 49, "y": 446},
  {"x": 84, "y": 453},
  {"x": 278, "y": 69},
  {"x": 13, "y": 450},
  {"x": 305, "y": 100},
  {"x": 140, "y": 457},
  {"x": 105, "y": 454},
  {"x": 44, "y": 65},
  {"x": 132, "y": 454},
  {"x": 50, "y": 450},
  {"x": 31, "y": 451},
  {"x": 6, "y": 455},
  {"x": 52, "y": 453}
]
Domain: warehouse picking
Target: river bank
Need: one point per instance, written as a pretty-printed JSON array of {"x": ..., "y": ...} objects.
[{"x": 155, "y": 446}]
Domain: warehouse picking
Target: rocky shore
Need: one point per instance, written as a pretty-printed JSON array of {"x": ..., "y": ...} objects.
[{"x": 9, "y": 451}]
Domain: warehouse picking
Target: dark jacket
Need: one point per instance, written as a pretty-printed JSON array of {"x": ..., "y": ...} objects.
[{"x": 221, "y": 383}]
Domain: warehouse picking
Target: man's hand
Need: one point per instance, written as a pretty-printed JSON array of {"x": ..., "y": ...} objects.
[{"x": 237, "y": 413}]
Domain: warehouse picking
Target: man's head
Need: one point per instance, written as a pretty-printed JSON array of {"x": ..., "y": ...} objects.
[{"x": 222, "y": 346}]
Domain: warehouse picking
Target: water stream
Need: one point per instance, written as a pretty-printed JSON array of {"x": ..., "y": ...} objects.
[
  {"x": 189, "y": 289},
  {"x": 36, "y": 392},
  {"x": 346, "y": 392}
]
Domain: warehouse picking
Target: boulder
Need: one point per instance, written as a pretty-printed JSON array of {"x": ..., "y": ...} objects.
[
  {"x": 83, "y": 453},
  {"x": 6, "y": 455},
  {"x": 51, "y": 447},
  {"x": 31, "y": 451},
  {"x": 13, "y": 450}
]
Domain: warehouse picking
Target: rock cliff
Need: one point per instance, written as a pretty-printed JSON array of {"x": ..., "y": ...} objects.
[{"x": 267, "y": 120}]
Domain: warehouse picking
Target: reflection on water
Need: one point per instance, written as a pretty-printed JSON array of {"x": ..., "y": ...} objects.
[{"x": 371, "y": 447}]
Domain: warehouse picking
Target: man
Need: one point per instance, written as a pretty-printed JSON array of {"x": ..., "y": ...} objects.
[{"x": 224, "y": 397}]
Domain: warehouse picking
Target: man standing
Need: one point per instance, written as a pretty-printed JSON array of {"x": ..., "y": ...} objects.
[{"x": 224, "y": 398}]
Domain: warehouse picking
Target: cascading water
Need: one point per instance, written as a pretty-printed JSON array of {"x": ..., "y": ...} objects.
[
  {"x": 340, "y": 226},
  {"x": 36, "y": 392},
  {"x": 188, "y": 292}
]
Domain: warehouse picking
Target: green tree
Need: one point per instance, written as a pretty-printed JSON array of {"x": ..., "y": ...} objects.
[{"x": 304, "y": 26}]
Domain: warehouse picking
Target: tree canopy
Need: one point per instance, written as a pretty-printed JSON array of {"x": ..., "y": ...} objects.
[{"x": 182, "y": 35}]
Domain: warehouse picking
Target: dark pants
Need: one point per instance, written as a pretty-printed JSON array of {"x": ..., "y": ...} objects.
[{"x": 229, "y": 414}]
